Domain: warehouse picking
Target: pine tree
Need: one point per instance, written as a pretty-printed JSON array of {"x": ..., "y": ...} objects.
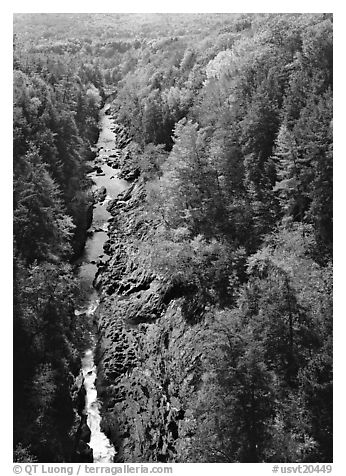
[
  {"x": 42, "y": 230},
  {"x": 288, "y": 185}
]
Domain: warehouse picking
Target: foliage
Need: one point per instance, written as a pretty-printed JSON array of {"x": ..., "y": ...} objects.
[
  {"x": 255, "y": 401},
  {"x": 48, "y": 340},
  {"x": 55, "y": 121}
]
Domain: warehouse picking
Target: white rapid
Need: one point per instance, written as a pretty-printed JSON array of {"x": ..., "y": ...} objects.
[{"x": 103, "y": 451}]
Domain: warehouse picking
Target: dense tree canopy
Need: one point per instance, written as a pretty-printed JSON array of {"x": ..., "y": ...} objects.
[
  {"x": 55, "y": 121},
  {"x": 244, "y": 211}
]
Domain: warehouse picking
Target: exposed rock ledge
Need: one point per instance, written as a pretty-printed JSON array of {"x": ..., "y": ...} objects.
[{"x": 150, "y": 360}]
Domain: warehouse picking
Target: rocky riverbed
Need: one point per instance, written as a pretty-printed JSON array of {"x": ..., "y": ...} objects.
[{"x": 92, "y": 445}]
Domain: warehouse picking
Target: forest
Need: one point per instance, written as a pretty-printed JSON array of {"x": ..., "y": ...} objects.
[{"x": 229, "y": 120}]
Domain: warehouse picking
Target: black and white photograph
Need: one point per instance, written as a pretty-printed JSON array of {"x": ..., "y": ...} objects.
[{"x": 173, "y": 239}]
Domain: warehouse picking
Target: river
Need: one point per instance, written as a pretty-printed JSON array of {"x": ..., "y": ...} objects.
[{"x": 105, "y": 176}]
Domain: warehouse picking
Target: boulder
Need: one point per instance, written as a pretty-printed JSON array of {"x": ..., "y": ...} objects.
[{"x": 100, "y": 194}]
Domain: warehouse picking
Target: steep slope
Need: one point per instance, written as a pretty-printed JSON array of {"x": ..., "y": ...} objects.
[{"x": 149, "y": 360}]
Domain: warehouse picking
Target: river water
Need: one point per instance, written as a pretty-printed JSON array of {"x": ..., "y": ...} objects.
[{"x": 103, "y": 451}]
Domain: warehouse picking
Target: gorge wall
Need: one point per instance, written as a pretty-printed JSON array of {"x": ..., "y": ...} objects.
[{"x": 149, "y": 357}]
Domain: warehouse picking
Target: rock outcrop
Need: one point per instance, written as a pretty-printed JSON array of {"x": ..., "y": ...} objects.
[
  {"x": 82, "y": 452},
  {"x": 149, "y": 358},
  {"x": 122, "y": 138},
  {"x": 100, "y": 194}
]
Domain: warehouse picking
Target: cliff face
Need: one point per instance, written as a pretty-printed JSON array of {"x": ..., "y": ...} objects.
[{"x": 150, "y": 359}]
